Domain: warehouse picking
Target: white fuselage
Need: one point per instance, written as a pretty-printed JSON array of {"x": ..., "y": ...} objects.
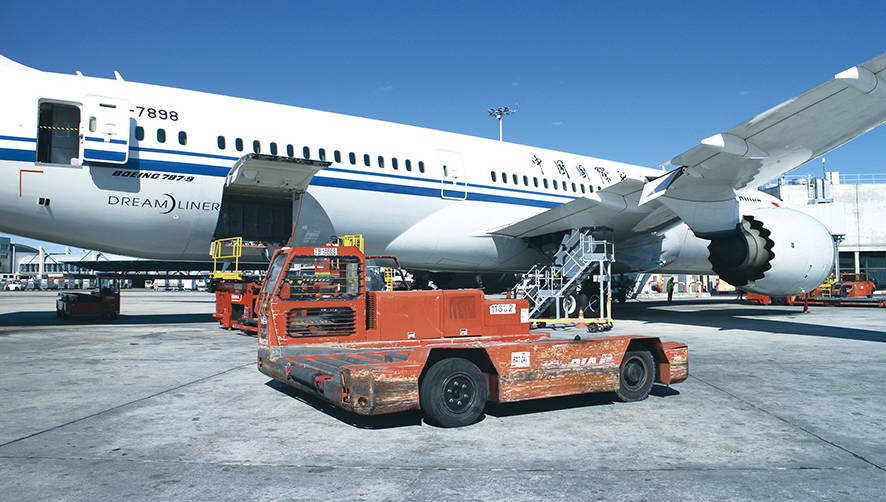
[{"x": 164, "y": 202}]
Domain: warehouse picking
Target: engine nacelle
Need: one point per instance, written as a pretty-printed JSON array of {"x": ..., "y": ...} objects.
[{"x": 775, "y": 252}]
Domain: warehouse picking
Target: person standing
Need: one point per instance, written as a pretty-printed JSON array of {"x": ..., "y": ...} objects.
[{"x": 670, "y": 288}]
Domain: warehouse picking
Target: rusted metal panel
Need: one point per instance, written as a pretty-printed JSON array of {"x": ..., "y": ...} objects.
[{"x": 556, "y": 368}]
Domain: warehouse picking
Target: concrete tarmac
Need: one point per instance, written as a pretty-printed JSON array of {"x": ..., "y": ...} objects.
[{"x": 162, "y": 404}]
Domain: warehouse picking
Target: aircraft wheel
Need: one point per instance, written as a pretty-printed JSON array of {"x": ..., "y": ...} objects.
[
  {"x": 453, "y": 393},
  {"x": 635, "y": 376}
]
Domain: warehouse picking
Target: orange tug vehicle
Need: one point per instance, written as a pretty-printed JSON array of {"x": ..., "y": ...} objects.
[
  {"x": 235, "y": 305},
  {"x": 328, "y": 326}
]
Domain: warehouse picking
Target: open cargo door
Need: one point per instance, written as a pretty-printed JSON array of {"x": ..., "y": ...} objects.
[{"x": 263, "y": 197}]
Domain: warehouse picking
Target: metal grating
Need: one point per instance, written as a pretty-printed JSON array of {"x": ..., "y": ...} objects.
[{"x": 319, "y": 321}]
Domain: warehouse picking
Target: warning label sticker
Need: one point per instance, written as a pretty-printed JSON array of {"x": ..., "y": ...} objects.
[{"x": 519, "y": 359}]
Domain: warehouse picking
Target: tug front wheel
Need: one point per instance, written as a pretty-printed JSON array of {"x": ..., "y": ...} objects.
[
  {"x": 453, "y": 393},
  {"x": 635, "y": 376}
]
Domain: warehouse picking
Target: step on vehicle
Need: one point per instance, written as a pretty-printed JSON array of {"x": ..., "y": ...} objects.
[{"x": 328, "y": 325}]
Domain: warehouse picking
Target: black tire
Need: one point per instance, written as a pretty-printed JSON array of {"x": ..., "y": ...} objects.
[
  {"x": 440, "y": 403},
  {"x": 635, "y": 376}
]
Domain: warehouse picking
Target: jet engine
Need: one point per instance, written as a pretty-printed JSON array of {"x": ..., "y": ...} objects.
[{"x": 775, "y": 252}]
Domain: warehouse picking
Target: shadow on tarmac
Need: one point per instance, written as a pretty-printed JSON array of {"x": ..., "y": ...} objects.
[
  {"x": 728, "y": 314},
  {"x": 411, "y": 418},
  {"x": 389, "y": 421},
  {"x": 43, "y": 318}
]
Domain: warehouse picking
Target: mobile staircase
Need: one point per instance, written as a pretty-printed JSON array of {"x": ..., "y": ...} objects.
[{"x": 578, "y": 257}]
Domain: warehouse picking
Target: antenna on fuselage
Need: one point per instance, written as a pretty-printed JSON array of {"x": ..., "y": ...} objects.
[{"x": 118, "y": 76}]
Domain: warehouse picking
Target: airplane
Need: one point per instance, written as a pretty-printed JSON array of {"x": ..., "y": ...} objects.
[{"x": 158, "y": 172}]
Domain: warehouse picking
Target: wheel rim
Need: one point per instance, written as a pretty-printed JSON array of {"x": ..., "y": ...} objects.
[
  {"x": 634, "y": 373},
  {"x": 458, "y": 393}
]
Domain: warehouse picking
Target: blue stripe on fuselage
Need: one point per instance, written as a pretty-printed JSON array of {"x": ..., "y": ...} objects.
[{"x": 318, "y": 180}]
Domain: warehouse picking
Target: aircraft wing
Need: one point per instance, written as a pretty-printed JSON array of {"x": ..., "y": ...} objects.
[
  {"x": 616, "y": 206},
  {"x": 701, "y": 190}
]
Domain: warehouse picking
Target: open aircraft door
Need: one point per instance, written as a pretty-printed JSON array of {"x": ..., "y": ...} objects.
[
  {"x": 104, "y": 130},
  {"x": 452, "y": 187},
  {"x": 265, "y": 200}
]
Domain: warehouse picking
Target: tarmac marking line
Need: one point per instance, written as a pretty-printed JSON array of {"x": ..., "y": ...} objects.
[
  {"x": 807, "y": 431},
  {"x": 126, "y": 404}
]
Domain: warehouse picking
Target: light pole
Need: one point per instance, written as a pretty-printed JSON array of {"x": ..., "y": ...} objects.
[{"x": 498, "y": 113}]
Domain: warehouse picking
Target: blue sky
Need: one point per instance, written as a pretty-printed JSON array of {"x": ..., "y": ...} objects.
[{"x": 638, "y": 82}]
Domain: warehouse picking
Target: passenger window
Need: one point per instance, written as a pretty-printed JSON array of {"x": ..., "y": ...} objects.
[
  {"x": 555, "y": 185},
  {"x": 238, "y": 144},
  {"x": 582, "y": 188},
  {"x": 535, "y": 181},
  {"x": 306, "y": 152},
  {"x": 514, "y": 179},
  {"x": 182, "y": 138},
  {"x": 92, "y": 124},
  {"x": 573, "y": 188},
  {"x": 273, "y": 148},
  {"x": 256, "y": 146},
  {"x": 525, "y": 180},
  {"x": 161, "y": 135},
  {"x": 139, "y": 133},
  {"x": 394, "y": 162},
  {"x": 352, "y": 158},
  {"x": 408, "y": 165},
  {"x": 366, "y": 159},
  {"x": 504, "y": 177},
  {"x": 445, "y": 170},
  {"x": 381, "y": 161},
  {"x": 221, "y": 142},
  {"x": 545, "y": 180},
  {"x": 492, "y": 175},
  {"x": 337, "y": 156},
  {"x": 421, "y": 166},
  {"x": 322, "y": 153},
  {"x": 290, "y": 151}
]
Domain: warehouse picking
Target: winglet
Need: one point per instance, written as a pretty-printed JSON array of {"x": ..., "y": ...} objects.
[{"x": 657, "y": 187}]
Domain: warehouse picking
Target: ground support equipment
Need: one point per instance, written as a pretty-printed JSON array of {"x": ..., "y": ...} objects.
[
  {"x": 102, "y": 301},
  {"x": 370, "y": 351}
]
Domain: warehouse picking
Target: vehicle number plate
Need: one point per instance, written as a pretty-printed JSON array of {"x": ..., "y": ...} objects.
[{"x": 502, "y": 308}]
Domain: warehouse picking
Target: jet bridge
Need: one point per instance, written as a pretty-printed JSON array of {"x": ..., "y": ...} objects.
[{"x": 265, "y": 201}]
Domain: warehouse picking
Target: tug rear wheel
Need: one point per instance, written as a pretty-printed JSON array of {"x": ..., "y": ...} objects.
[
  {"x": 453, "y": 393},
  {"x": 635, "y": 376}
]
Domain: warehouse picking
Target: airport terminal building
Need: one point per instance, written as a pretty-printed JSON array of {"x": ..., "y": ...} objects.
[{"x": 851, "y": 206}]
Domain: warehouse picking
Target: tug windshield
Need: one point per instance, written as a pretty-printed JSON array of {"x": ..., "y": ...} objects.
[{"x": 321, "y": 278}]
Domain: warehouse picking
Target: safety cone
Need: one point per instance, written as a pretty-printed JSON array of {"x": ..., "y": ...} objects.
[{"x": 581, "y": 319}]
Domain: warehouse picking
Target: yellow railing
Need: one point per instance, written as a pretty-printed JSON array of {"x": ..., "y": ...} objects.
[
  {"x": 355, "y": 240},
  {"x": 225, "y": 249}
]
